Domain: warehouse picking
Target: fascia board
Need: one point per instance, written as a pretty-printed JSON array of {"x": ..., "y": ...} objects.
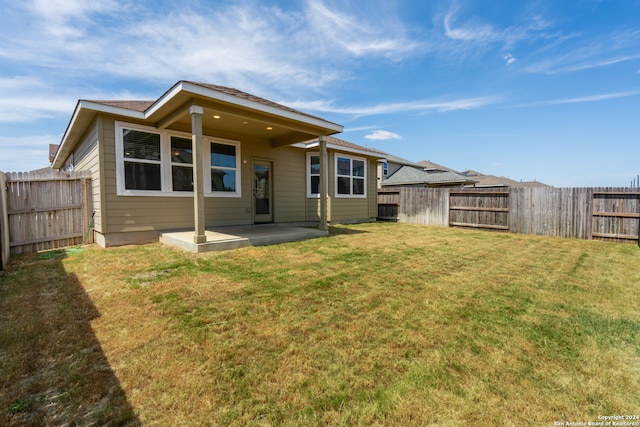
[{"x": 342, "y": 148}]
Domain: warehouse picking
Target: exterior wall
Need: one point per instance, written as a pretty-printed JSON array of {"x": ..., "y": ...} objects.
[
  {"x": 345, "y": 210},
  {"x": 86, "y": 157},
  {"x": 127, "y": 214},
  {"x": 139, "y": 219}
]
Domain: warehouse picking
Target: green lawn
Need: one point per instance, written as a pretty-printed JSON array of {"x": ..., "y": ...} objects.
[{"x": 377, "y": 324}]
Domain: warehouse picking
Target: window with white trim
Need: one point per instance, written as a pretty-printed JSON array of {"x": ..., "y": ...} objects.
[
  {"x": 150, "y": 162},
  {"x": 350, "y": 176},
  {"x": 313, "y": 175},
  {"x": 181, "y": 164},
  {"x": 142, "y": 160},
  {"x": 224, "y": 167}
]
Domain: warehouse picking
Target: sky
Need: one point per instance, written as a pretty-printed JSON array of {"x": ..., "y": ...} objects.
[{"x": 532, "y": 90}]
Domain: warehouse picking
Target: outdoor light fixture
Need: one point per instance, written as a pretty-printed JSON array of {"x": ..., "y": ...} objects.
[
  {"x": 216, "y": 116},
  {"x": 269, "y": 128}
]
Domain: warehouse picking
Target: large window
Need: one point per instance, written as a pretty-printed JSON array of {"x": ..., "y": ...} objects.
[
  {"x": 350, "y": 177},
  {"x": 156, "y": 163},
  {"x": 224, "y": 165},
  {"x": 142, "y": 166}
]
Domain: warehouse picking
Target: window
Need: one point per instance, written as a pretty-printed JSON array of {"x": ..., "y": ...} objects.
[
  {"x": 181, "y": 164},
  {"x": 141, "y": 153},
  {"x": 313, "y": 171},
  {"x": 150, "y": 162},
  {"x": 224, "y": 164},
  {"x": 385, "y": 168},
  {"x": 350, "y": 177}
]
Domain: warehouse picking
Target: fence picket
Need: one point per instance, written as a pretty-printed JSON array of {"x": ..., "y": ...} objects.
[
  {"x": 44, "y": 210},
  {"x": 611, "y": 214}
]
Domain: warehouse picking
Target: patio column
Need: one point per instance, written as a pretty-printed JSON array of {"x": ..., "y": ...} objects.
[
  {"x": 324, "y": 173},
  {"x": 198, "y": 173}
]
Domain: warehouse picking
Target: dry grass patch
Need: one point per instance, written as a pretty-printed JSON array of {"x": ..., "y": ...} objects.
[{"x": 382, "y": 324}]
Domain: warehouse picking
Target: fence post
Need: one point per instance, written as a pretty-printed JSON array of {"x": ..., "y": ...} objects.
[{"x": 4, "y": 222}]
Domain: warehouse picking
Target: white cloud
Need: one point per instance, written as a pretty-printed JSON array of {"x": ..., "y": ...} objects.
[
  {"x": 509, "y": 59},
  {"x": 591, "y": 98},
  {"x": 27, "y": 152},
  {"x": 241, "y": 44},
  {"x": 613, "y": 48},
  {"x": 475, "y": 32},
  {"x": 415, "y": 107},
  {"x": 360, "y": 33},
  {"x": 381, "y": 135}
]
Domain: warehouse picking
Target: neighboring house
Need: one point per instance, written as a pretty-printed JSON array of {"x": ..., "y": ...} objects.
[
  {"x": 404, "y": 173},
  {"x": 499, "y": 181},
  {"x": 203, "y": 155},
  {"x": 390, "y": 164},
  {"x": 408, "y": 176},
  {"x": 429, "y": 166}
]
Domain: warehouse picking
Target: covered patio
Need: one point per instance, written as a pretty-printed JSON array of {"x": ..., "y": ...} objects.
[{"x": 225, "y": 238}]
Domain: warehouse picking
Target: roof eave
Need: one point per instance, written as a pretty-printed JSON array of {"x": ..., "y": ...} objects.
[
  {"x": 184, "y": 86},
  {"x": 337, "y": 147},
  {"x": 79, "y": 113}
]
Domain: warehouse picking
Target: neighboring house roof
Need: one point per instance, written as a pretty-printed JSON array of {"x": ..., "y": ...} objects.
[
  {"x": 434, "y": 166},
  {"x": 499, "y": 181},
  {"x": 53, "y": 149},
  {"x": 400, "y": 161},
  {"x": 408, "y": 175}
]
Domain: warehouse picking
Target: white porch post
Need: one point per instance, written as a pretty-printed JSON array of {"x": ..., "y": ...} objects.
[
  {"x": 198, "y": 173},
  {"x": 324, "y": 173}
]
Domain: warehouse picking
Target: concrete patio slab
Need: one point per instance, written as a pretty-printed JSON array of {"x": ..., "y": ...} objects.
[{"x": 225, "y": 238}]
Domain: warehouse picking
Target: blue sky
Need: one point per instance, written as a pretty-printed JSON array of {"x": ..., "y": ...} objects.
[{"x": 545, "y": 90}]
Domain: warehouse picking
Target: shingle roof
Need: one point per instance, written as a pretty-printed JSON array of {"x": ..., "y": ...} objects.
[
  {"x": 430, "y": 165},
  {"x": 244, "y": 95},
  {"x": 400, "y": 161},
  {"x": 499, "y": 181},
  {"x": 408, "y": 175},
  {"x": 142, "y": 106}
]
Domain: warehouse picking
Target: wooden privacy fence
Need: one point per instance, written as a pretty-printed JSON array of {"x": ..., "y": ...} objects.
[
  {"x": 44, "y": 210},
  {"x": 584, "y": 213}
]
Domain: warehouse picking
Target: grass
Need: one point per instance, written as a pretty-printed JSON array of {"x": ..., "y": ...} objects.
[{"x": 383, "y": 324}]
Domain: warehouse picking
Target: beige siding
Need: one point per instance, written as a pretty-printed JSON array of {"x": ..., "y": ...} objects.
[
  {"x": 86, "y": 157},
  {"x": 139, "y": 213},
  {"x": 121, "y": 214},
  {"x": 347, "y": 209}
]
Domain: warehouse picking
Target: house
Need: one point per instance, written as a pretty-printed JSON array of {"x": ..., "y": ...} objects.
[
  {"x": 408, "y": 176},
  {"x": 499, "y": 181},
  {"x": 203, "y": 156},
  {"x": 390, "y": 164},
  {"x": 403, "y": 173},
  {"x": 430, "y": 166}
]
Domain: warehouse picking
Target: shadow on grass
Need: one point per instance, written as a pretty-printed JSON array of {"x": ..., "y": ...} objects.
[
  {"x": 52, "y": 368},
  {"x": 338, "y": 231}
]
